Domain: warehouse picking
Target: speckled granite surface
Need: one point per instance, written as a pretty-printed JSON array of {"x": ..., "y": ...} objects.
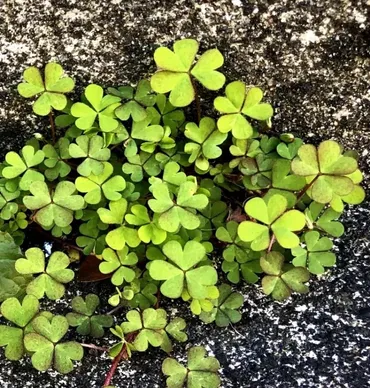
[{"x": 313, "y": 59}]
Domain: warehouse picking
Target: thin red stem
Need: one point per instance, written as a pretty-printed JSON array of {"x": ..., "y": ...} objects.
[{"x": 114, "y": 366}]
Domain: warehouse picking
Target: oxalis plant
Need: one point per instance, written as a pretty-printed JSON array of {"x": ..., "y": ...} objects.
[{"x": 161, "y": 205}]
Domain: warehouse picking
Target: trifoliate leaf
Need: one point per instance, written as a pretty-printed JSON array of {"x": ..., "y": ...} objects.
[
  {"x": 280, "y": 283},
  {"x": 100, "y": 110},
  {"x": 45, "y": 347},
  {"x": 182, "y": 273},
  {"x": 21, "y": 315},
  {"x": 94, "y": 152},
  {"x": 201, "y": 371},
  {"x": 182, "y": 212},
  {"x": 237, "y": 104},
  {"x": 273, "y": 217},
  {"x": 55, "y": 157},
  {"x": 56, "y": 207},
  {"x": 21, "y": 165},
  {"x": 225, "y": 310},
  {"x": 206, "y": 140},
  {"x": 175, "y": 70},
  {"x": 51, "y": 280},
  {"x": 51, "y": 88},
  {"x": 84, "y": 319},
  {"x": 316, "y": 256},
  {"x": 326, "y": 169},
  {"x": 119, "y": 263},
  {"x": 103, "y": 184}
]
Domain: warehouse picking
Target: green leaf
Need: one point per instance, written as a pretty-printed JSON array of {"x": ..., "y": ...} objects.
[
  {"x": 282, "y": 223},
  {"x": 200, "y": 372},
  {"x": 57, "y": 207},
  {"x": 182, "y": 273},
  {"x": 237, "y": 104},
  {"x": 51, "y": 91},
  {"x": 84, "y": 319},
  {"x": 103, "y": 184},
  {"x": 119, "y": 263},
  {"x": 326, "y": 169},
  {"x": 316, "y": 256},
  {"x": 282, "y": 179},
  {"x": 324, "y": 220},
  {"x": 51, "y": 280},
  {"x": 290, "y": 150},
  {"x": 175, "y": 70},
  {"x": 94, "y": 152},
  {"x": 100, "y": 110},
  {"x": 280, "y": 283},
  {"x": 205, "y": 70},
  {"x": 148, "y": 230},
  {"x": 206, "y": 139},
  {"x": 12, "y": 284},
  {"x": 55, "y": 157},
  {"x": 182, "y": 212},
  {"x": 226, "y": 307},
  {"x": 45, "y": 347},
  {"x": 18, "y": 165},
  {"x": 21, "y": 315}
]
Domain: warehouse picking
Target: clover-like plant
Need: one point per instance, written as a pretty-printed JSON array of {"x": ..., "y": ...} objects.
[
  {"x": 180, "y": 274},
  {"x": 137, "y": 101},
  {"x": 316, "y": 256},
  {"x": 56, "y": 207},
  {"x": 205, "y": 141},
  {"x": 85, "y": 320},
  {"x": 138, "y": 191},
  {"x": 238, "y": 255},
  {"x": 325, "y": 169},
  {"x": 97, "y": 186},
  {"x": 176, "y": 71},
  {"x": 182, "y": 212},
  {"x": 98, "y": 110},
  {"x": 280, "y": 281},
  {"x": 226, "y": 307},
  {"x": 46, "y": 348},
  {"x": 21, "y": 165},
  {"x": 51, "y": 89},
  {"x": 238, "y": 103},
  {"x": 52, "y": 276},
  {"x": 201, "y": 371},
  {"x": 94, "y": 152},
  {"x": 117, "y": 238},
  {"x": 21, "y": 315},
  {"x": 56, "y": 159},
  {"x": 274, "y": 220},
  {"x": 119, "y": 263}
]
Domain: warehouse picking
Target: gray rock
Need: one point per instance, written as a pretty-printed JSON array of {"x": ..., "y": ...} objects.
[{"x": 313, "y": 60}]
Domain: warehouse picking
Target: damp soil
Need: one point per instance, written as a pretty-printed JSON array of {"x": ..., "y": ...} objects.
[{"x": 313, "y": 60}]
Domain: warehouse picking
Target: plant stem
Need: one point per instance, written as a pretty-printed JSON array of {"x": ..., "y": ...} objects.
[
  {"x": 52, "y": 126},
  {"x": 115, "y": 309},
  {"x": 271, "y": 243},
  {"x": 114, "y": 366},
  {"x": 118, "y": 358},
  {"x": 197, "y": 100},
  {"x": 303, "y": 191},
  {"x": 92, "y": 346}
]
